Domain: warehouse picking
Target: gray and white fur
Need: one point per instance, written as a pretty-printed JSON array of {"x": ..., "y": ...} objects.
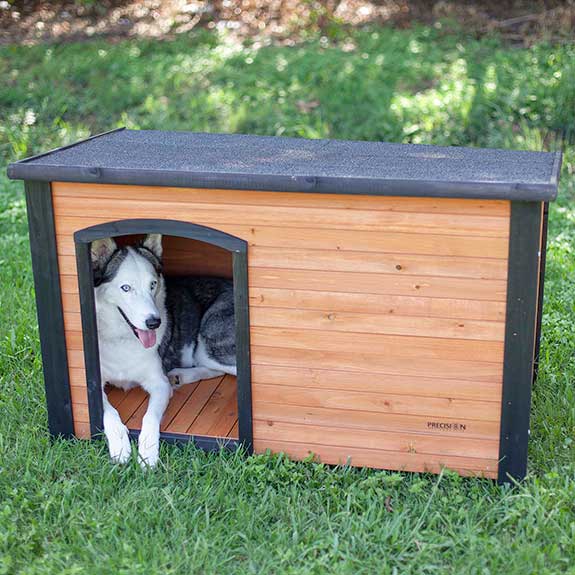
[{"x": 153, "y": 330}]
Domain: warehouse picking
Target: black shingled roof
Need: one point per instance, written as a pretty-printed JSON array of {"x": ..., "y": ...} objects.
[{"x": 191, "y": 159}]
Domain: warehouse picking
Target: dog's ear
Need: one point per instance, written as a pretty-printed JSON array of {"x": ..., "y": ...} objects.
[
  {"x": 101, "y": 251},
  {"x": 153, "y": 242}
]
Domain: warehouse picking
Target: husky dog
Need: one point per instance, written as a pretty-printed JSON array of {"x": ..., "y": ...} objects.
[{"x": 153, "y": 330}]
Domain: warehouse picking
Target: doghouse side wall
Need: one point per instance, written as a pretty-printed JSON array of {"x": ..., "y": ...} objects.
[{"x": 377, "y": 323}]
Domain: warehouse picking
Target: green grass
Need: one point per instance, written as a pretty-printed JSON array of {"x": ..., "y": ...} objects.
[{"x": 64, "y": 509}]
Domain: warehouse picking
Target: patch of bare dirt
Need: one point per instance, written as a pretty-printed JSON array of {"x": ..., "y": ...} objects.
[{"x": 33, "y": 21}]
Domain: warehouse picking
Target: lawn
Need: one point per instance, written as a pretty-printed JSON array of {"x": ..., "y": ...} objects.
[{"x": 64, "y": 509}]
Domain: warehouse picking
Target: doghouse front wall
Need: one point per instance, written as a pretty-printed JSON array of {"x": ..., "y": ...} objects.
[{"x": 377, "y": 323}]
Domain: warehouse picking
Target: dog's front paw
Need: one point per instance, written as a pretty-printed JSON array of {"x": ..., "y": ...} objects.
[
  {"x": 174, "y": 378},
  {"x": 119, "y": 443},
  {"x": 148, "y": 449}
]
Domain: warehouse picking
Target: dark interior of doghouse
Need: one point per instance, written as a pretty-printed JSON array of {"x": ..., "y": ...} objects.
[{"x": 206, "y": 408}]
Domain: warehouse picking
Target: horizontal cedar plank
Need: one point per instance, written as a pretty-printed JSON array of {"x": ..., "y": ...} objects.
[
  {"x": 67, "y": 265},
  {"x": 353, "y": 382},
  {"x": 347, "y": 361},
  {"x": 408, "y": 348},
  {"x": 328, "y": 239},
  {"x": 72, "y": 321},
  {"x": 385, "y": 440},
  {"x": 370, "y": 262},
  {"x": 77, "y": 376},
  {"x": 377, "y": 364},
  {"x": 380, "y": 459},
  {"x": 69, "y": 284},
  {"x": 373, "y": 323},
  {"x": 75, "y": 357},
  {"x": 305, "y": 200},
  {"x": 74, "y": 341},
  {"x": 81, "y": 412},
  {"x": 65, "y": 245},
  {"x": 214, "y": 215},
  {"x": 70, "y": 301},
  {"x": 382, "y": 304},
  {"x": 359, "y": 303},
  {"x": 342, "y": 401},
  {"x": 423, "y": 386},
  {"x": 188, "y": 261},
  {"x": 347, "y": 322},
  {"x": 342, "y": 301},
  {"x": 348, "y": 282},
  {"x": 377, "y": 421},
  {"x": 384, "y": 345},
  {"x": 79, "y": 394},
  {"x": 82, "y": 430}
]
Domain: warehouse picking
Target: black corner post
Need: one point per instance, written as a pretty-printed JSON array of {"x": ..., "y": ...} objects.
[
  {"x": 520, "y": 335},
  {"x": 49, "y": 307}
]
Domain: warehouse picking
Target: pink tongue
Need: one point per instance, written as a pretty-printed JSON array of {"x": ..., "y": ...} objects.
[{"x": 147, "y": 337}]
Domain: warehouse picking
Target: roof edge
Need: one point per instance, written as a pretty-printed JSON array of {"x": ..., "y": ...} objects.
[
  {"x": 556, "y": 169},
  {"x": 12, "y": 167},
  {"x": 281, "y": 183}
]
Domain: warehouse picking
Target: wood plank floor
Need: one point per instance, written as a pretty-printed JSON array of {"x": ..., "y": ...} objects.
[{"x": 207, "y": 408}]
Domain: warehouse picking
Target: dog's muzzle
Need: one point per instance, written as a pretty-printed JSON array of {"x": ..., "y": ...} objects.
[{"x": 147, "y": 337}]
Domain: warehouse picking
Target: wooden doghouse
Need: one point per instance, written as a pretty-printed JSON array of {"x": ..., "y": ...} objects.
[{"x": 388, "y": 297}]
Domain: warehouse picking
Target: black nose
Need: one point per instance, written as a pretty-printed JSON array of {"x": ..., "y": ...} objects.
[{"x": 153, "y": 322}]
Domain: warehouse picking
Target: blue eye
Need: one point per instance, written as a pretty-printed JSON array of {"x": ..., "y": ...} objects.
[{"x": 125, "y": 287}]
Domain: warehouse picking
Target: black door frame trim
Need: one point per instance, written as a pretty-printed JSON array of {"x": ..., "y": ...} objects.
[
  {"x": 520, "y": 336},
  {"x": 238, "y": 248},
  {"x": 49, "y": 308}
]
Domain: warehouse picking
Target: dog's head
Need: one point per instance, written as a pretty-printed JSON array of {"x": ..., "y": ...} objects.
[{"x": 128, "y": 281}]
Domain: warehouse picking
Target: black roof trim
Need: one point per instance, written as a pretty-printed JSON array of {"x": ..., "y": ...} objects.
[{"x": 368, "y": 168}]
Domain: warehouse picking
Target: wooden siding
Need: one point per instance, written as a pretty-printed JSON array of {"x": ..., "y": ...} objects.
[{"x": 377, "y": 323}]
